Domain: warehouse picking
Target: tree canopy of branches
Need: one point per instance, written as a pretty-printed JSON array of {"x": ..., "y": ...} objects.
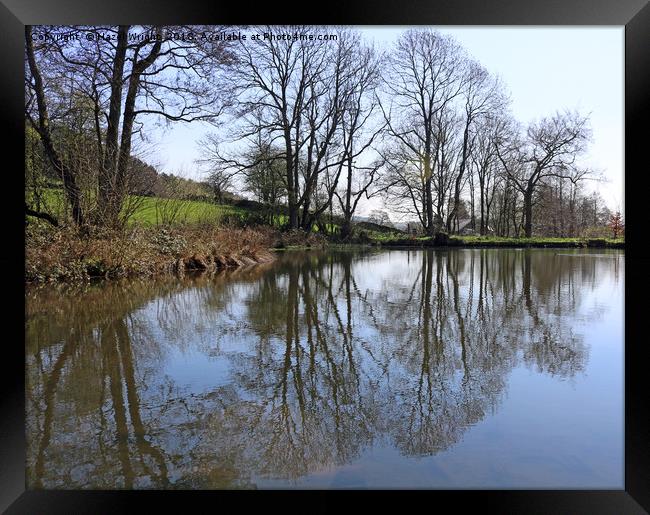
[
  {"x": 425, "y": 74},
  {"x": 437, "y": 103},
  {"x": 308, "y": 101}
]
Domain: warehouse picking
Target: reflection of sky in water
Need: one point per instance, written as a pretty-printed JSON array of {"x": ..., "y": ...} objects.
[
  {"x": 548, "y": 433},
  {"x": 543, "y": 430}
]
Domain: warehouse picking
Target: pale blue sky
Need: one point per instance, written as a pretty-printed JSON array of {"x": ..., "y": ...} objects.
[{"x": 543, "y": 68}]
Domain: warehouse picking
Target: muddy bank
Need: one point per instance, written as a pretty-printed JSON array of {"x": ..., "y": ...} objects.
[
  {"x": 213, "y": 263},
  {"x": 66, "y": 254}
]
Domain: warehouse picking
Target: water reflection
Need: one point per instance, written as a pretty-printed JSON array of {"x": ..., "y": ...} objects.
[{"x": 295, "y": 367}]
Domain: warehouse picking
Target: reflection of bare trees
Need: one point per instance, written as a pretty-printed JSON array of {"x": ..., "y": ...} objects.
[
  {"x": 91, "y": 387},
  {"x": 90, "y": 353},
  {"x": 323, "y": 360}
]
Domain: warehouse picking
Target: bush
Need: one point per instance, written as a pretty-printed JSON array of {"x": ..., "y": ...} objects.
[
  {"x": 300, "y": 238},
  {"x": 168, "y": 243}
]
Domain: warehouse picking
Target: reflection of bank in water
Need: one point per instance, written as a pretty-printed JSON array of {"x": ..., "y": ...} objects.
[{"x": 611, "y": 256}]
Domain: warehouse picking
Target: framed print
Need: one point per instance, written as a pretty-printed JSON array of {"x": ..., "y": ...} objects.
[{"x": 385, "y": 254}]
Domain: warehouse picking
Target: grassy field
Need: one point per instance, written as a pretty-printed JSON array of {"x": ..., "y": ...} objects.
[
  {"x": 157, "y": 211},
  {"x": 170, "y": 212}
]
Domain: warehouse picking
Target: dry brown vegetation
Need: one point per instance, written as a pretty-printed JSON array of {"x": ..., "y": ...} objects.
[
  {"x": 63, "y": 254},
  {"x": 299, "y": 238}
]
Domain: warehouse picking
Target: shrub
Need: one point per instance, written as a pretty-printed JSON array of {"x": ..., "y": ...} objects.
[{"x": 300, "y": 238}]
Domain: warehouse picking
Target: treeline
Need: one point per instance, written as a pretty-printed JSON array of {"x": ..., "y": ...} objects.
[{"x": 313, "y": 128}]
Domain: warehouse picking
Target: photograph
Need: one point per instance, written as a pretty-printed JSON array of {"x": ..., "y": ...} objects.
[{"x": 324, "y": 257}]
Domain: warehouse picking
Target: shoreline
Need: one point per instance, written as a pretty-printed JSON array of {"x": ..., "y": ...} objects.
[
  {"x": 63, "y": 256},
  {"x": 517, "y": 243}
]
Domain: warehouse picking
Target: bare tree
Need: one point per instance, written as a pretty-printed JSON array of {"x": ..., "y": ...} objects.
[
  {"x": 485, "y": 165},
  {"x": 401, "y": 183},
  {"x": 42, "y": 126},
  {"x": 359, "y": 130},
  {"x": 425, "y": 76},
  {"x": 481, "y": 96},
  {"x": 276, "y": 82},
  {"x": 550, "y": 148},
  {"x": 323, "y": 137},
  {"x": 220, "y": 182},
  {"x": 295, "y": 95}
]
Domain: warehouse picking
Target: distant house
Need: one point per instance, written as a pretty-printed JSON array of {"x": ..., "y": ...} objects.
[
  {"x": 414, "y": 228},
  {"x": 464, "y": 226}
]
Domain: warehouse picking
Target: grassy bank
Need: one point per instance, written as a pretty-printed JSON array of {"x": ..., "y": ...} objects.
[
  {"x": 144, "y": 210},
  {"x": 396, "y": 240},
  {"x": 156, "y": 210}
]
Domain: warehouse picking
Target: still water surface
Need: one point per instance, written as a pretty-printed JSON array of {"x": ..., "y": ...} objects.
[{"x": 482, "y": 368}]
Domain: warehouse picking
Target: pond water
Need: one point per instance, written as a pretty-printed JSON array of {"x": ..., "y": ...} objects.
[{"x": 462, "y": 368}]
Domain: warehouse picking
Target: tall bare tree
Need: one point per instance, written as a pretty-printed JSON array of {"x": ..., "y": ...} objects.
[
  {"x": 297, "y": 95},
  {"x": 486, "y": 165},
  {"x": 276, "y": 83},
  {"x": 550, "y": 148},
  {"x": 481, "y": 96},
  {"x": 360, "y": 129},
  {"x": 425, "y": 77}
]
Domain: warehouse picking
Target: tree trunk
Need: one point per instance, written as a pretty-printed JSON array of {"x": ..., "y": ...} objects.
[
  {"x": 461, "y": 172},
  {"x": 528, "y": 213},
  {"x": 346, "y": 228},
  {"x": 67, "y": 174},
  {"x": 291, "y": 187},
  {"x": 561, "y": 210},
  {"x": 472, "y": 204},
  {"x": 109, "y": 164},
  {"x": 431, "y": 223},
  {"x": 120, "y": 182},
  {"x": 482, "y": 227}
]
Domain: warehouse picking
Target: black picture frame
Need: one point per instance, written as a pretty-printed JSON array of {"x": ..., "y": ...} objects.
[{"x": 634, "y": 14}]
